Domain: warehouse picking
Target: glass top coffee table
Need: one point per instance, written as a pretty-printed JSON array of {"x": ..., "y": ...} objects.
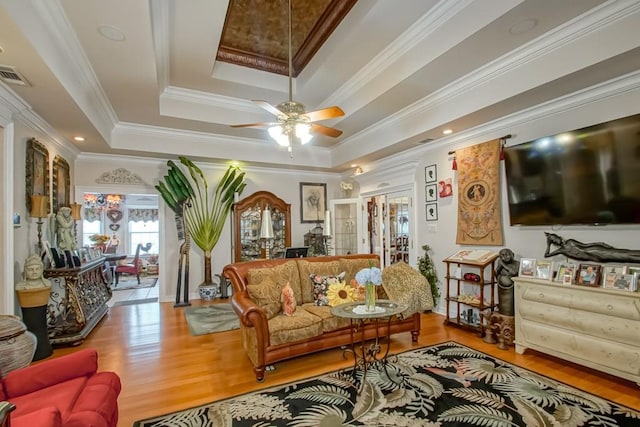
[{"x": 367, "y": 354}]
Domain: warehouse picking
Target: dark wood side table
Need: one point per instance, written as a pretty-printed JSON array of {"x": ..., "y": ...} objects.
[{"x": 366, "y": 355}]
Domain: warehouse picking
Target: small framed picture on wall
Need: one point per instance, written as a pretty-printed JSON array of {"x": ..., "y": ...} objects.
[
  {"x": 430, "y": 192},
  {"x": 432, "y": 211},
  {"x": 430, "y": 174}
]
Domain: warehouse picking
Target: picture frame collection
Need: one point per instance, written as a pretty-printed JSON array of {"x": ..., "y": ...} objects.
[
  {"x": 618, "y": 277},
  {"x": 431, "y": 192}
]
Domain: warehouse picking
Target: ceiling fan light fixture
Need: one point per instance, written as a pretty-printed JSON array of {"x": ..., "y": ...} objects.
[
  {"x": 279, "y": 135},
  {"x": 303, "y": 132}
]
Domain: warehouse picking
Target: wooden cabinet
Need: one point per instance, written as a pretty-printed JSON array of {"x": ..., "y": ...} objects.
[
  {"x": 468, "y": 311},
  {"x": 594, "y": 327},
  {"x": 247, "y": 217}
]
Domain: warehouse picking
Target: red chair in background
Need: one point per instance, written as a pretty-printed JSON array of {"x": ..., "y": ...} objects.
[{"x": 133, "y": 268}]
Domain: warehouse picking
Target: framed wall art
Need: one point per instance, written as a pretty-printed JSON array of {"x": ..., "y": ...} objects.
[
  {"x": 430, "y": 192},
  {"x": 430, "y": 174},
  {"x": 61, "y": 183},
  {"x": 313, "y": 201},
  {"x": 37, "y": 170},
  {"x": 431, "y": 211}
]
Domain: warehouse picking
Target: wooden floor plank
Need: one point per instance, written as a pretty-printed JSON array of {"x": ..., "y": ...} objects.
[{"x": 163, "y": 368}]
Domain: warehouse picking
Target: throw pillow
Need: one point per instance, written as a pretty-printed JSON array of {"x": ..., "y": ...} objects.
[
  {"x": 288, "y": 300},
  {"x": 405, "y": 284},
  {"x": 340, "y": 293},
  {"x": 267, "y": 295},
  {"x": 321, "y": 286}
]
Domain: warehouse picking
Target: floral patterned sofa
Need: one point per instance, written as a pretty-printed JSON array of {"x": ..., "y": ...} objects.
[{"x": 270, "y": 336}]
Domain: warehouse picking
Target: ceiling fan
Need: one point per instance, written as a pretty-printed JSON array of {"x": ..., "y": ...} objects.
[{"x": 292, "y": 118}]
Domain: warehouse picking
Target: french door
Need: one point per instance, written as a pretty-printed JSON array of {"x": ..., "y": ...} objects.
[{"x": 389, "y": 226}]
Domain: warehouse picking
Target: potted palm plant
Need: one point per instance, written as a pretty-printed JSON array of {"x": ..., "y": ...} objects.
[{"x": 204, "y": 214}]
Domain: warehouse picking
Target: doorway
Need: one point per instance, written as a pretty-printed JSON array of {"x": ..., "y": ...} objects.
[
  {"x": 389, "y": 226},
  {"x": 126, "y": 228}
]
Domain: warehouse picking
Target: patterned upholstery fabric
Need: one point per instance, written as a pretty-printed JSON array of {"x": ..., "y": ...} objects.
[
  {"x": 405, "y": 284},
  {"x": 267, "y": 295},
  {"x": 329, "y": 321},
  {"x": 301, "y": 326},
  {"x": 352, "y": 266},
  {"x": 321, "y": 286},
  {"x": 281, "y": 274},
  {"x": 308, "y": 268}
]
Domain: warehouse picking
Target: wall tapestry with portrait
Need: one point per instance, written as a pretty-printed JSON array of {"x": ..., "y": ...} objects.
[
  {"x": 37, "y": 170},
  {"x": 479, "y": 218}
]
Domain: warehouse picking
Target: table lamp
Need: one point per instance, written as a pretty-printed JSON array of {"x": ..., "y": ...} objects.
[
  {"x": 266, "y": 229},
  {"x": 39, "y": 208},
  {"x": 326, "y": 232},
  {"x": 76, "y": 214}
]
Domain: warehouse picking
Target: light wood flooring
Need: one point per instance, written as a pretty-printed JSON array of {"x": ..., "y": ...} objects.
[{"x": 163, "y": 368}]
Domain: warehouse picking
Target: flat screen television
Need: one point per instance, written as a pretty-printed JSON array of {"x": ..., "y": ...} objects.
[
  {"x": 585, "y": 176},
  {"x": 300, "y": 252}
]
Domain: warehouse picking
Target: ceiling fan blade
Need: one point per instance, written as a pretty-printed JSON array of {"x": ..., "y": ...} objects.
[
  {"x": 250, "y": 125},
  {"x": 325, "y": 130},
  {"x": 270, "y": 108},
  {"x": 325, "y": 113}
]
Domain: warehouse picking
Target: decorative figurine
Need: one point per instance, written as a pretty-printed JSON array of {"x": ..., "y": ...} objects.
[
  {"x": 33, "y": 275},
  {"x": 507, "y": 268},
  {"x": 596, "y": 252},
  {"x": 63, "y": 227}
]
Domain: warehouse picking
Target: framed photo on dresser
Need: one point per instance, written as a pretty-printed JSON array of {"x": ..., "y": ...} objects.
[{"x": 588, "y": 275}]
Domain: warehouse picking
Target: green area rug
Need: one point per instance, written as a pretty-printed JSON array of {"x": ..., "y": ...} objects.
[
  {"x": 207, "y": 319},
  {"x": 442, "y": 385},
  {"x": 130, "y": 282}
]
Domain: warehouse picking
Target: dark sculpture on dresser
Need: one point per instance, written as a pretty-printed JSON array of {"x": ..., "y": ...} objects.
[{"x": 595, "y": 252}]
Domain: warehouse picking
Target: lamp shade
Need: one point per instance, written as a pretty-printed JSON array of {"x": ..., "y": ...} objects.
[
  {"x": 266, "y": 228},
  {"x": 39, "y": 206},
  {"x": 76, "y": 211},
  {"x": 327, "y": 223}
]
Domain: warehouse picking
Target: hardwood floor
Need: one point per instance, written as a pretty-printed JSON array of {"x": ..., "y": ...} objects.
[{"x": 163, "y": 368}]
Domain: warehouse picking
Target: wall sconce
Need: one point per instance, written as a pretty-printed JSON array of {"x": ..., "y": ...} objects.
[
  {"x": 266, "y": 229},
  {"x": 39, "y": 209}
]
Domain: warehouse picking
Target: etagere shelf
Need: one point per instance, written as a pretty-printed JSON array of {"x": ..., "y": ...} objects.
[{"x": 486, "y": 271}]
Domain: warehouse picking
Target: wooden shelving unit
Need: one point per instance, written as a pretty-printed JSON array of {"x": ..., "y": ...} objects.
[{"x": 485, "y": 269}]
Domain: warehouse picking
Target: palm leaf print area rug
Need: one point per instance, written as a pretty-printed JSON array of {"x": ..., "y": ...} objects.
[{"x": 443, "y": 385}]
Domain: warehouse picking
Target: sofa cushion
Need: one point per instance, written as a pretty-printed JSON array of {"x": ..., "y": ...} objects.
[
  {"x": 62, "y": 396},
  {"x": 280, "y": 274},
  {"x": 321, "y": 285},
  {"x": 267, "y": 295},
  {"x": 307, "y": 268},
  {"x": 301, "y": 326},
  {"x": 288, "y": 300},
  {"x": 329, "y": 321},
  {"x": 405, "y": 284}
]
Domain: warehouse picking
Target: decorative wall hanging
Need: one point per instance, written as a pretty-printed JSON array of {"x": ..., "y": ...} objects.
[
  {"x": 313, "y": 201},
  {"x": 432, "y": 211},
  {"x": 114, "y": 227},
  {"x": 479, "y": 219},
  {"x": 445, "y": 188},
  {"x": 61, "y": 183},
  {"x": 114, "y": 215},
  {"x": 37, "y": 171},
  {"x": 430, "y": 193},
  {"x": 103, "y": 201},
  {"x": 120, "y": 176}
]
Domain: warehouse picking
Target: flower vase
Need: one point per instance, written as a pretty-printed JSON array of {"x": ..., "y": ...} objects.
[{"x": 370, "y": 297}]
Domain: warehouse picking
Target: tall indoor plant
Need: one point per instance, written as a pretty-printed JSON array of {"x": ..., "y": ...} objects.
[
  {"x": 204, "y": 214},
  {"x": 428, "y": 270}
]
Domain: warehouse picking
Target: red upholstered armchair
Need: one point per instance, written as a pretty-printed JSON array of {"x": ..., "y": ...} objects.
[
  {"x": 133, "y": 268},
  {"x": 66, "y": 391}
]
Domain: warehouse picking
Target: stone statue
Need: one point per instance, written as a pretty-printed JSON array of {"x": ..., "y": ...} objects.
[
  {"x": 596, "y": 252},
  {"x": 65, "y": 236},
  {"x": 33, "y": 275},
  {"x": 507, "y": 267}
]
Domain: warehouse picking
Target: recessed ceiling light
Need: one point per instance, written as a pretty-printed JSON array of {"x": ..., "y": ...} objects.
[
  {"x": 1, "y": 49},
  {"x": 78, "y": 138},
  {"x": 447, "y": 131},
  {"x": 353, "y": 165},
  {"x": 112, "y": 33},
  {"x": 523, "y": 26}
]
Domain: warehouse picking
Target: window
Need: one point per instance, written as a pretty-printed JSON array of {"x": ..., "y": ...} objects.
[
  {"x": 89, "y": 229},
  {"x": 144, "y": 232}
]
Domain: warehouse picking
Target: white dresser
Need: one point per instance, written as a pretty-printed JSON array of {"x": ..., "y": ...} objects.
[{"x": 594, "y": 327}]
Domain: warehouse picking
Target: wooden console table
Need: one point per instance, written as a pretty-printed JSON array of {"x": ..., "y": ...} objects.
[{"x": 77, "y": 302}]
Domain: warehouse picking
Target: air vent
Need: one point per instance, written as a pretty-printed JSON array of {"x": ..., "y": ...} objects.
[{"x": 11, "y": 76}]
